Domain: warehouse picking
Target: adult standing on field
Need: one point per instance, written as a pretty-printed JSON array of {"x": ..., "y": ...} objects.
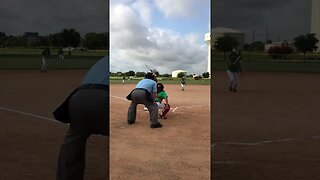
[
  {"x": 88, "y": 113},
  {"x": 233, "y": 70},
  {"x": 60, "y": 55},
  {"x": 45, "y": 55},
  {"x": 144, "y": 93},
  {"x": 183, "y": 82}
]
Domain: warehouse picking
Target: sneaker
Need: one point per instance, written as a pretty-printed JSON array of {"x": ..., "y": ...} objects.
[
  {"x": 230, "y": 89},
  {"x": 234, "y": 90},
  {"x": 159, "y": 125},
  {"x": 162, "y": 117}
]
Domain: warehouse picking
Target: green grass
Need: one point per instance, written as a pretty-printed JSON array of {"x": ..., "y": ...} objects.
[
  {"x": 118, "y": 80},
  {"x": 54, "y": 52},
  {"x": 273, "y": 66},
  {"x": 35, "y": 62}
]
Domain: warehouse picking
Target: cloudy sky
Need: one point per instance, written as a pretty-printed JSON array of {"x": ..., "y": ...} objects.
[
  {"x": 285, "y": 19},
  {"x": 51, "y": 16},
  {"x": 162, "y": 34}
]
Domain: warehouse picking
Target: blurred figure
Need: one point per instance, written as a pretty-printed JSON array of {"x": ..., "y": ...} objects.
[
  {"x": 233, "y": 70},
  {"x": 183, "y": 82},
  {"x": 87, "y": 111},
  {"x": 45, "y": 55},
  {"x": 60, "y": 55}
]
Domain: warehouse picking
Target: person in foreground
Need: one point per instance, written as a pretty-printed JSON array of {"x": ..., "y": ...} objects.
[
  {"x": 88, "y": 112},
  {"x": 144, "y": 93}
]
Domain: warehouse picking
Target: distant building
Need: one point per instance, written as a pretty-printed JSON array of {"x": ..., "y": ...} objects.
[
  {"x": 176, "y": 72},
  {"x": 221, "y": 31}
]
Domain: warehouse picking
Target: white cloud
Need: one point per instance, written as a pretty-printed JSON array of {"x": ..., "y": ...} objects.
[
  {"x": 144, "y": 9},
  {"x": 180, "y": 8},
  {"x": 135, "y": 43}
]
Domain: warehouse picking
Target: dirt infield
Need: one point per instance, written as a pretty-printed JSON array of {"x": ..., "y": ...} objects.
[
  {"x": 178, "y": 150},
  {"x": 30, "y": 141},
  {"x": 268, "y": 130}
]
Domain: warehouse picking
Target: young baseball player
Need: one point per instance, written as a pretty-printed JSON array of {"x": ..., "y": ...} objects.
[
  {"x": 162, "y": 95},
  {"x": 233, "y": 70},
  {"x": 183, "y": 83}
]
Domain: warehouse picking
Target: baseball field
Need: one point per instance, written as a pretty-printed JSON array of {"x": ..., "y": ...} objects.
[
  {"x": 30, "y": 138},
  {"x": 270, "y": 129},
  {"x": 178, "y": 150},
  {"x": 267, "y": 130}
]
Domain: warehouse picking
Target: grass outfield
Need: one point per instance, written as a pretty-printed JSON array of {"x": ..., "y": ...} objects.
[
  {"x": 273, "y": 66},
  {"x": 54, "y": 52},
  {"x": 35, "y": 62},
  {"x": 118, "y": 80}
]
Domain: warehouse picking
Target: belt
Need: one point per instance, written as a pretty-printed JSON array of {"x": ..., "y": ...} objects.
[
  {"x": 93, "y": 86},
  {"x": 140, "y": 89}
]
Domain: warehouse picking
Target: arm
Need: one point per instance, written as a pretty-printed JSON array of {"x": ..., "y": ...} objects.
[
  {"x": 167, "y": 101},
  {"x": 154, "y": 95}
]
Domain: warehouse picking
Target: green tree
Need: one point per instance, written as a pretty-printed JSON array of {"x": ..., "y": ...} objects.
[
  {"x": 205, "y": 75},
  {"x": 130, "y": 73},
  {"x": 269, "y": 41},
  {"x": 94, "y": 40},
  {"x": 306, "y": 43},
  {"x": 225, "y": 44},
  {"x": 257, "y": 46},
  {"x": 181, "y": 74},
  {"x": 55, "y": 40},
  {"x": 140, "y": 74},
  {"x": 14, "y": 41},
  {"x": 119, "y": 73},
  {"x": 70, "y": 38},
  {"x": 44, "y": 40},
  {"x": 166, "y": 75},
  {"x": 2, "y": 39}
]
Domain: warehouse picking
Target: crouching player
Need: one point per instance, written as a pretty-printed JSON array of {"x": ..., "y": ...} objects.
[{"x": 162, "y": 95}]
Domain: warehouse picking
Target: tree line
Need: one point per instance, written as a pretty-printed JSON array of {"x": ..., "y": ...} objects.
[
  {"x": 64, "y": 38},
  {"x": 303, "y": 43},
  {"x": 142, "y": 74}
]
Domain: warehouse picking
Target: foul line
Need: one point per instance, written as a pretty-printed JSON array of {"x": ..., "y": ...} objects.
[
  {"x": 29, "y": 114},
  {"x": 262, "y": 142},
  {"x": 119, "y": 98}
]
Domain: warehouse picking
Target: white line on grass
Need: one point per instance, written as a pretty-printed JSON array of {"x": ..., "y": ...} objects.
[{"x": 29, "y": 114}]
